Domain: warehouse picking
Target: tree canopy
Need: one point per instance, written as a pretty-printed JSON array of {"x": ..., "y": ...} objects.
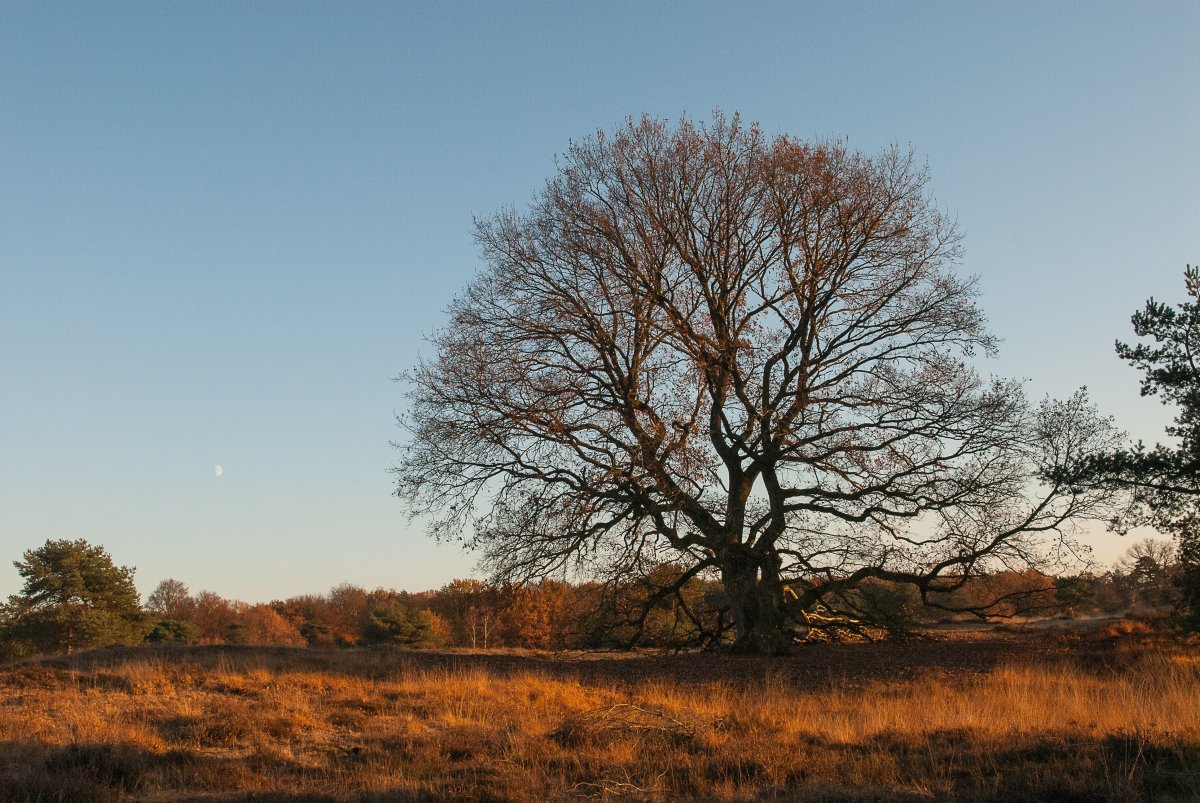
[
  {"x": 1164, "y": 480},
  {"x": 73, "y": 596},
  {"x": 746, "y": 355}
]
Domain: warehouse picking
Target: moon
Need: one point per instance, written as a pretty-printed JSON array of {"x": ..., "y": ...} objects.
[{"x": 217, "y": 470}]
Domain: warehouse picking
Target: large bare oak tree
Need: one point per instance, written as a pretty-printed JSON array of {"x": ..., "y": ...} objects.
[{"x": 747, "y": 354}]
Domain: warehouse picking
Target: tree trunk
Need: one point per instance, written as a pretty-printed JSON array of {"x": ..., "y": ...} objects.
[{"x": 756, "y": 603}]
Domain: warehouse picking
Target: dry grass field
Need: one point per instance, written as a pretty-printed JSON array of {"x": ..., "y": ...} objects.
[{"x": 999, "y": 717}]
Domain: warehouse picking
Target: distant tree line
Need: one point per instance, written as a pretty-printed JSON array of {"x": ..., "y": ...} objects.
[{"x": 75, "y": 597}]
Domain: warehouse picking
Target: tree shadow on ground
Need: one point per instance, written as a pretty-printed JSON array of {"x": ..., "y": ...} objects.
[
  {"x": 814, "y": 666},
  {"x": 107, "y": 773},
  {"x": 949, "y": 765}
]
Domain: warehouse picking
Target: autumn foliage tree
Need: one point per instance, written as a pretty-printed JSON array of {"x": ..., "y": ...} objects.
[
  {"x": 539, "y": 615},
  {"x": 170, "y": 599},
  {"x": 747, "y": 355},
  {"x": 261, "y": 624},
  {"x": 214, "y": 616},
  {"x": 471, "y": 611}
]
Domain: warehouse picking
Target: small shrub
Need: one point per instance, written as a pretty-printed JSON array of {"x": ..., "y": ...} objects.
[
  {"x": 173, "y": 631},
  {"x": 396, "y": 623},
  {"x": 1126, "y": 627}
]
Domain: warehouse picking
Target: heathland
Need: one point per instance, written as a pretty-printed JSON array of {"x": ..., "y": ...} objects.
[{"x": 1070, "y": 714}]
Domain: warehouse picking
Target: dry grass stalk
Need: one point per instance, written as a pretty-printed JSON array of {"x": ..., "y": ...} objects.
[{"x": 296, "y": 725}]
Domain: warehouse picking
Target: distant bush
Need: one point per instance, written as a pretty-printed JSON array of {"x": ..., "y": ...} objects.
[
  {"x": 260, "y": 624},
  {"x": 396, "y": 623},
  {"x": 894, "y": 606},
  {"x": 174, "y": 631}
]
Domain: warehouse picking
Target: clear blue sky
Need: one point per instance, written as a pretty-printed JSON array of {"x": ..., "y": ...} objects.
[{"x": 225, "y": 225}]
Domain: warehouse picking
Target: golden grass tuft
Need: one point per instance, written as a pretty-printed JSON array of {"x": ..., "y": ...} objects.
[
  {"x": 1127, "y": 627},
  {"x": 176, "y": 724}
]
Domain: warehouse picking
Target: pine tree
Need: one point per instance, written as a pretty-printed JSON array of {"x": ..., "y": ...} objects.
[
  {"x": 1164, "y": 481},
  {"x": 73, "y": 597}
]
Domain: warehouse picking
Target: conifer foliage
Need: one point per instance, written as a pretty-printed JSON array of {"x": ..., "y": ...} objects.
[
  {"x": 1165, "y": 480},
  {"x": 73, "y": 596}
]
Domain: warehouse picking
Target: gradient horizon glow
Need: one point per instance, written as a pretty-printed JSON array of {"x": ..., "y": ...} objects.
[{"x": 226, "y": 227}]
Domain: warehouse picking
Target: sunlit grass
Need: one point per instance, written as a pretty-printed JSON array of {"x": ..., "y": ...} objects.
[{"x": 172, "y": 724}]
